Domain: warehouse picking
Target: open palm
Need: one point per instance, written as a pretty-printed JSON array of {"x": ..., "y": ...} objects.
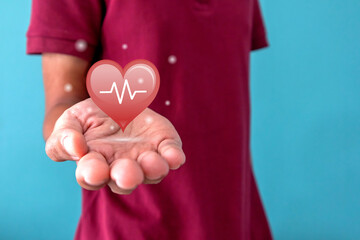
[{"x": 145, "y": 152}]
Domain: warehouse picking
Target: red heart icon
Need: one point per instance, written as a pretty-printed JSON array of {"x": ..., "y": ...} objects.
[{"x": 123, "y": 93}]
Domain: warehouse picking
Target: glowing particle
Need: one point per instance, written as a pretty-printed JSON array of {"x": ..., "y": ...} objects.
[
  {"x": 124, "y": 46},
  {"x": 68, "y": 87},
  {"x": 167, "y": 103},
  {"x": 148, "y": 120},
  {"x": 141, "y": 80},
  {"x": 80, "y": 45},
  {"x": 172, "y": 59},
  {"x": 112, "y": 127},
  {"x": 89, "y": 110}
]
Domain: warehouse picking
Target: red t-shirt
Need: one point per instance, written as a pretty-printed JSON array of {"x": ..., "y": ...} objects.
[{"x": 201, "y": 48}]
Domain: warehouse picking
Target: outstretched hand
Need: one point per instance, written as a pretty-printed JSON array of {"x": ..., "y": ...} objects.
[{"x": 144, "y": 153}]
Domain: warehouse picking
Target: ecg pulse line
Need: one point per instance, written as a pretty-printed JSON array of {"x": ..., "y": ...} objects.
[{"x": 126, "y": 86}]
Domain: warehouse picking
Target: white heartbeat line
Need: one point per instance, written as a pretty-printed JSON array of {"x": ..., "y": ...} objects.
[{"x": 126, "y": 85}]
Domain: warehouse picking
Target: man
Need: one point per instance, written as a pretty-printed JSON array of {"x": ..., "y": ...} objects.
[{"x": 201, "y": 48}]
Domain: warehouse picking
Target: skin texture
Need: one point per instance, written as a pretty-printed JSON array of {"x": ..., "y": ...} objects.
[{"x": 105, "y": 155}]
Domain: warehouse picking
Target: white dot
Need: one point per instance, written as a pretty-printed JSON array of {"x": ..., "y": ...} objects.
[
  {"x": 112, "y": 127},
  {"x": 167, "y": 103},
  {"x": 172, "y": 59},
  {"x": 124, "y": 46},
  {"x": 89, "y": 110},
  {"x": 68, "y": 87},
  {"x": 148, "y": 120},
  {"x": 141, "y": 80},
  {"x": 80, "y": 45}
]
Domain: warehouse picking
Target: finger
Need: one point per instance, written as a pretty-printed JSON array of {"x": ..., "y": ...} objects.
[
  {"x": 67, "y": 141},
  {"x": 126, "y": 173},
  {"x": 92, "y": 171},
  {"x": 66, "y": 144},
  {"x": 154, "y": 166},
  {"x": 172, "y": 152}
]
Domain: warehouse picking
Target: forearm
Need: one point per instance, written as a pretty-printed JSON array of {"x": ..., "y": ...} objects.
[{"x": 60, "y": 70}]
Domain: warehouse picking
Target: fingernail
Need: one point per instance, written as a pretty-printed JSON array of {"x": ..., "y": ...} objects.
[
  {"x": 120, "y": 185},
  {"x": 156, "y": 179},
  {"x": 88, "y": 181},
  {"x": 69, "y": 147}
]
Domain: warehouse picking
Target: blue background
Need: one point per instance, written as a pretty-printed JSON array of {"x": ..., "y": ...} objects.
[{"x": 305, "y": 127}]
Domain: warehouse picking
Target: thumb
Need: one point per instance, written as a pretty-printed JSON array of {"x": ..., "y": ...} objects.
[{"x": 67, "y": 141}]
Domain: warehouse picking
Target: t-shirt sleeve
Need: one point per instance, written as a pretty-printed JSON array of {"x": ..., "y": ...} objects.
[
  {"x": 68, "y": 26},
  {"x": 258, "y": 38}
]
